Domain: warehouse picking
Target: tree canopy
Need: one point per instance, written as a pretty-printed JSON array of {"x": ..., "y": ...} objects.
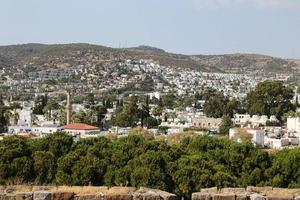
[
  {"x": 270, "y": 98},
  {"x": 140, "y": 160}
]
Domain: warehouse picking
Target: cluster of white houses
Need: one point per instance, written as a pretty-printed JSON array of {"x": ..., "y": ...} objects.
[
  {"x": 270, "y": 137},
  {"x": 253, "y": 128}
]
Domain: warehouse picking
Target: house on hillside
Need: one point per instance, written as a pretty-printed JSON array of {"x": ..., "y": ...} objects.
[
  {"x": 256, "y": 136},
  {"x": 81, "y": 130}
]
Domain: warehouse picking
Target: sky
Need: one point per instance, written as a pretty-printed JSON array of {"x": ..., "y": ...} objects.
[{"x": 270, "y": 27}]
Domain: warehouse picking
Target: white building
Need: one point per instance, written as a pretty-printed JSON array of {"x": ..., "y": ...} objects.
[
  {"x": 256, "y": 136},
  {"x": 254, "y": 121},
  {"x": 81, "y": 130},
  {"x": 293, "y": 124}
]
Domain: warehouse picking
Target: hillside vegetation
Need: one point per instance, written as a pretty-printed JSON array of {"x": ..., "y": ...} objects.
[{"x": 40, "y": 54}]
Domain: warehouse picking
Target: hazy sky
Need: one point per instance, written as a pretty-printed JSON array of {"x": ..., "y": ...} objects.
[{"x": 269, "y": 27}]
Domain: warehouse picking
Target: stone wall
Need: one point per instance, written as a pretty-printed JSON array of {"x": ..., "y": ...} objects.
[
  {"x": 22, "y": 192},
  {"x": 249, "y": 193}
]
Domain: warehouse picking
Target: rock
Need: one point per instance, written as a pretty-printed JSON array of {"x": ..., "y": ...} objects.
[
  {"x": 242, "y": 197},
  {"x": 284, "y": 192},
  {"x": 10, "y": 196},
  {"x": 2, "y": 196},
  {"x": 81, "y": 190},
  {"x": 223, "y": 197},
  {"x": 42, "y": 195},
  {"x": 120, "y": 193},
  {"x": 257, "y": 197},
  {"x": 42, "y": 188},
  {"x": 62, "y": 196},
  {"x": 213, "y": 190},
  {"x": 2, "y": 189},
  {"x": 154, "y": 194},
  {"x": 118, "y": 197},
  {"x": 278, "y": 197},
  {"x": 10, "y": 189},
  {"x": 24, "y": 196},
  {"x": 166, "y": 195},
  {"x": 259, "y": 190},
  {"x": 297, "y": 198},
  {"x": 88, "y": 197},
  {"x": 233, "y": 190},
  {"x": 201, "y": 196},
  {"x": 146, "y": 196}
]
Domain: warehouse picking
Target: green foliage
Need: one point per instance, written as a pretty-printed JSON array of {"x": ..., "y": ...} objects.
[
  {"x": 225, "y": 125},
  {"x": 270, "y": 98},
  {"x": 218, "y": 105},
  {"x": 39, "y": 103},
  {"x": 140, "y": 160}
]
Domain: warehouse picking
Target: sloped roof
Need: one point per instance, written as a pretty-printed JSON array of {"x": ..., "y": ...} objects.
[{"x": 80, "y": 126}]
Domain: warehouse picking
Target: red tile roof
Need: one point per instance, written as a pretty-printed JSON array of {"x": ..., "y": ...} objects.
[{"x": 80, "y": 126}]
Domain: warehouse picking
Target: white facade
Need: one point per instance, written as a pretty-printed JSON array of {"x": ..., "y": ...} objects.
[
  {"x": 293, "y": 124},
  {"x": 255, "y": 120},
  {"x": 257, "y": 135}
]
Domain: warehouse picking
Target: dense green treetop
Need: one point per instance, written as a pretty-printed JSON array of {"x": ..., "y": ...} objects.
[
  {"x": 270, "y": 98},
  {"x": 140, "y": 160}
]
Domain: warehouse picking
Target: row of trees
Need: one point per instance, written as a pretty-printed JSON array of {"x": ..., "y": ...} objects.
[
  {"x": 181, "y": 168},
  {"x": 268, "y": 98}
]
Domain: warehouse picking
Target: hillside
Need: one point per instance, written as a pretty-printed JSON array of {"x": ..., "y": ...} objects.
[{"x": 60, "y": 54}]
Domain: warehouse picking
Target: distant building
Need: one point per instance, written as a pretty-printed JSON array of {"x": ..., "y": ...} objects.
[
  {"x": 256, "y": 136},
  {"x": 206, "y": 122},
  {"x": 293, "y": 124},
  {"x": 81, "y": 130},
  {"x": 254, "y": 121}
]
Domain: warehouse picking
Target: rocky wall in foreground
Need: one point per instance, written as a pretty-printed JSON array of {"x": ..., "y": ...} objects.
[
  {"x": 249, "y": 193},
  {"x": 82, "y": 193}
]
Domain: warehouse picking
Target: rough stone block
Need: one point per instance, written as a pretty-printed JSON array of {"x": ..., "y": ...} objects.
[
  {"x": 10, "y": 196},
  {"x": 259, "y": 190},
  {"x": 284, "y": 192},
  {"x": 121, "y": 190},
  {"x": 2, "y": 195},
  {"x": 242, "y": 197},
  {"x": 201, "y": 196},
  {"x": 88, "y": 197},
  {"x": 24, "y": 196},
  {"x": 146, "y": 196},
  {"x": 2, "y": 189},
  {"x": 42, "y": 195},
  {"x": 233, "y": 190},
  {"x": 279, "y": 197},
  {"x": 42, "y": 188},
  {"x": 297, "y": 198},
  {"x": 213, "y": 190},
  {"x": 153, "y": 194},
  {"x": 223, "y": 197},
  {"x": 118, "y": 197},
  {"x": 62, "y": 196},
  {"x": 257, "y": 197}
]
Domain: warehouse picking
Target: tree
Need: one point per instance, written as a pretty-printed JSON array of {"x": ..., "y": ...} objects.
[
  {"x": 168, "y": 100},
  {"x": 156, "y": 111},
  {"x": 39, "y": 104},
  {"x": 270, "y": 98},
  {"x": 49, "y": 107},
  {"x": 219, "y": 105},
  {"x": 225, "y": 125},
  {"x": 44, "y": 167}
]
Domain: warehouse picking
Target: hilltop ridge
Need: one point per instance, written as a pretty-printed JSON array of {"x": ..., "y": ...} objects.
[{"x": 24, "y": 54}]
